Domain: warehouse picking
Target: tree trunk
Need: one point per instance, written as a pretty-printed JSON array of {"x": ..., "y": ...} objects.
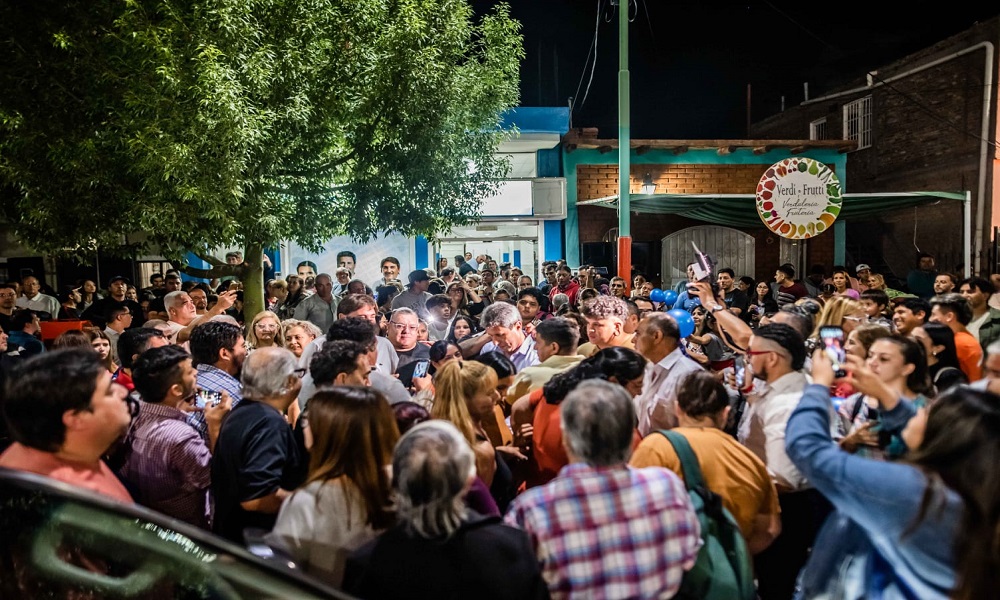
[{"x": 253, "y": 281}]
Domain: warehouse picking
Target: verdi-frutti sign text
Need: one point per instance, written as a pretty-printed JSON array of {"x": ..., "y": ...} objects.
[{"x": 799, "y": 198}]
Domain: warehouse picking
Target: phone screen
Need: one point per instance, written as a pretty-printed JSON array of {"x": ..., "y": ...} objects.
[
  {"x": 833, "y": 344},
  {"x": 421, "y": 369},
  {"x": 204, "y": 397}
]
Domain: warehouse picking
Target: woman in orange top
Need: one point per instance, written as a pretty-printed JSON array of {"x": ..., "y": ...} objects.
[{"x": 623, "y": 366}]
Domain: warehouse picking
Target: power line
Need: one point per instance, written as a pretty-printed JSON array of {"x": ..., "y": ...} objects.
[{"x": 592, "y": 50}]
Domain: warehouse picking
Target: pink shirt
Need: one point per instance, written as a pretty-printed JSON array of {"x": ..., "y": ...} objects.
[{"x": 94, "y": 477}]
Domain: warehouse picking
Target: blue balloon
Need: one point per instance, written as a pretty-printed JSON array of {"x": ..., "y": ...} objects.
[
  {"x": 669, "y": 297},
  {"x": 685, "y": 322},
  {"x": 657, "y": 295}
]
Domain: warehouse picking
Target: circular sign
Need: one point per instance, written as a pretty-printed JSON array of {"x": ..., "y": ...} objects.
[{"x": 799, "y": 198}]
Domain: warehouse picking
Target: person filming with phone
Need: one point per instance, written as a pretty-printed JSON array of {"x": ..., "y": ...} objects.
[
  {"x": 168, "y": 465},
  {"x": 898, "y": 362}
]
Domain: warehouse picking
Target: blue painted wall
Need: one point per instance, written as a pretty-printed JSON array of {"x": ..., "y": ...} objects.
[
  {"x": 420, "y": 253},
  {"x": 553, "y": 249}
]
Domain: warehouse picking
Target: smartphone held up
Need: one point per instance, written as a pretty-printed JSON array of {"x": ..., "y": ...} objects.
[
  {"x": 832, "y": 338},
  {"x": 207, "y": 398}
]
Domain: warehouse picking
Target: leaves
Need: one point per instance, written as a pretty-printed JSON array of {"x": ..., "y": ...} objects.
[{"x": 175, "y": 125}]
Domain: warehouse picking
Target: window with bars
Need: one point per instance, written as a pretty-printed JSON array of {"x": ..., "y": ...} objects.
[
  {"x": 858, "y": 121},
  {"x": 817, "y": 129}
]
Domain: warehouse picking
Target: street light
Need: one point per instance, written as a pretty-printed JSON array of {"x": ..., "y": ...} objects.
[{"x": 648, "y": 185}]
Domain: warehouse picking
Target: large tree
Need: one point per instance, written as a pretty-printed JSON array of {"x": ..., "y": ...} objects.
[{"x": 174, "y": 126}]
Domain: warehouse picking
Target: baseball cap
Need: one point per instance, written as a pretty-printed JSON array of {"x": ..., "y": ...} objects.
[
  {"x": 120, "y": 278},
  {"x": 418, "y": 275},
  {"x": 862, "y": 267}
]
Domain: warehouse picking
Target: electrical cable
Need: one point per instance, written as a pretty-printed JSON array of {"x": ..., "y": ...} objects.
[{"x": 592, "y": 50}]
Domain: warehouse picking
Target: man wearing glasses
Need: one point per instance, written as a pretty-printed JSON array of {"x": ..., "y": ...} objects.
[
  {"x": 119, "y": 319},
  {"x": 775, "y": 355},
  {"x": 403, "y": 325}
]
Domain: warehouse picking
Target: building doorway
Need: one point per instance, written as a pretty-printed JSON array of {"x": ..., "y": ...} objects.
[{"x": 512, "y": 241}]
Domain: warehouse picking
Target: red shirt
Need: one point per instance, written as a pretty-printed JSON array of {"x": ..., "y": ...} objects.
[
  {"x": 94, "y": 477},
  {"x": 572, "y": 289}
]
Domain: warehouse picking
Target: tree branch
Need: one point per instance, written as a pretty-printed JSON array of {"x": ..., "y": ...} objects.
[
  {"x": 222, "y": 270},
  {"x": 215, "y": 262}
]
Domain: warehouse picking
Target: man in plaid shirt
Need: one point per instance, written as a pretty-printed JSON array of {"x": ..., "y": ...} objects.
[{"x": 601, "y": 529}]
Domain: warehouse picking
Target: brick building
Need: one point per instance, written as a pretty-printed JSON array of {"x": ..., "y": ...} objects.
[
  {"x": 925, "y": 122},
  {"x": 685, "y": 167}
]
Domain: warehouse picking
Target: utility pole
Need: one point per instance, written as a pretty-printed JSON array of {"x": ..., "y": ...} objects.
[{"x": 624, "y": 148}]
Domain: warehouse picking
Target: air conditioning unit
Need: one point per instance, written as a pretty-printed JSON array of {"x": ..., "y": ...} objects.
[{"x": 548, "y": 197}]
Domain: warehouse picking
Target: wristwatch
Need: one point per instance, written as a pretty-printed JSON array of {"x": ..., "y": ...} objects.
[{"x": 716, "y": 308}]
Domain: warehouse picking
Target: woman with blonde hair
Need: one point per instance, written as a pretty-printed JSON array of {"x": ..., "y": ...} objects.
[
  {"x": 877, "y": 282},
  {"x": 840, "y": 311},
  {"x": 264, "y": 331},
  {"x": 277, "y": 292},
  {"x": 464, "y": 394},
  {"x": 298, "y": 335},
  {"x": 346, "y": 500}
]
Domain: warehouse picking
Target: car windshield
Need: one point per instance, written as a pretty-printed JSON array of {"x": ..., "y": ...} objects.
[{"x": 59, "y": 542}]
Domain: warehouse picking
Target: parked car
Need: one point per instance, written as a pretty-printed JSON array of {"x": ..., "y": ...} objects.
[{"x": 58, "y": 541}]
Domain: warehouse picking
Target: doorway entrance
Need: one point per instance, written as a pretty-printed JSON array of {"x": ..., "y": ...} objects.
[{"x": 512, "y": 241}]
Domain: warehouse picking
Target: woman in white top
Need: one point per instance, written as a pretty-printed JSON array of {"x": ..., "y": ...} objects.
[{"x": 346, "y": 500}]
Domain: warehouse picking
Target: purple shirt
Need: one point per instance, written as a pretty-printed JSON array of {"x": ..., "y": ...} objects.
[
  {"x": 168, "y": 466},
  {"x": 610, "y": 532}
]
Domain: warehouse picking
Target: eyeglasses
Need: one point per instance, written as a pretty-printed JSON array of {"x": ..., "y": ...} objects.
[
  {"x": 403, "y": 326},
  {"x": 300, "y": 373},
  {"x": 759, "y": 352},
  {"x": 10, "y": 295}
]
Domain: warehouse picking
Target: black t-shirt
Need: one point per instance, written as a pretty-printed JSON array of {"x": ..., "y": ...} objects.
[
  {"x": 408, "y": 361},
  {"x": 737, "y": 299},
  {"x": 256, "y": 453},
  {"x": 97, "y": 313}
]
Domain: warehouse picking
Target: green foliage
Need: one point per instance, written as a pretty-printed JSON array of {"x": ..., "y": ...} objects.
[{"x": 191, "y": 125}]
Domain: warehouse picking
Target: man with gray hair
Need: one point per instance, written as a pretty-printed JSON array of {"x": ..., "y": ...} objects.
[
  {"x": 501, "y": 322},
  {"x": 658, "y": 339},
  {"x": 257, "y": 461},
  {"x": 436, "y": 536},
  {"x": 583, "y": 522},
  {"x": 181, "y": 311}
]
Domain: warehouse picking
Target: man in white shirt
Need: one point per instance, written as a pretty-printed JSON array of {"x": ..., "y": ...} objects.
[
  {"x": 180, "y": 310},
  {"x": 658, "y": 340},
  {"x": 776, "y": 354},
  {"x": 34, "y": 299},
  {"x": 502, "y": 323}
]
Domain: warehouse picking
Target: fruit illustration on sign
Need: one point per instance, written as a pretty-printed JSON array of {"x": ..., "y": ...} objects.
[{"x": 798, "y": 198}]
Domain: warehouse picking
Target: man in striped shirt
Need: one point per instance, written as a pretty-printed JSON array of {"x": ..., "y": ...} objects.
[
  {"x": 168, "y": 464},
  {"x": 602, "y": 529}
]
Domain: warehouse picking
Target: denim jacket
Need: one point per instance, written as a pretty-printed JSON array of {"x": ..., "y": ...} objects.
[{"x": 898, "y": 556}]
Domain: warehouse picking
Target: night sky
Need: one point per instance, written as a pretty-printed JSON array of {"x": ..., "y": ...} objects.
[{"x": 691, "y": 62}]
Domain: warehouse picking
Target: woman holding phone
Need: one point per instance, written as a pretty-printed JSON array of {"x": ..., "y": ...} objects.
[
  {"x": 921, "y": 528},
  {"x": 899, "y": 361}
]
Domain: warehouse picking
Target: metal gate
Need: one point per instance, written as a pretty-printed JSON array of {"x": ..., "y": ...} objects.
[{"x": 727, "y": 247}]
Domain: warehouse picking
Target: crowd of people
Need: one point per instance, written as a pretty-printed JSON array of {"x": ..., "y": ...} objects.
[{"x": 480, "y": 432}]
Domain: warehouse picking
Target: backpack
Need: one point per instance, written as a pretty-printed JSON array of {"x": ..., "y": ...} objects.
[{"x": 723, "y": 568}]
